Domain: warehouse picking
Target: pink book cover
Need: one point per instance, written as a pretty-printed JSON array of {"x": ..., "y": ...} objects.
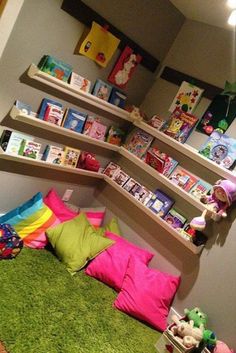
[{"x": 98, "y": 131}]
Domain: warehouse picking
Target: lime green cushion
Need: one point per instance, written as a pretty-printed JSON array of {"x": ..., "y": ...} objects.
[
  {"x": 75, "y": 242},
  {"x": 112, "y": 227}
]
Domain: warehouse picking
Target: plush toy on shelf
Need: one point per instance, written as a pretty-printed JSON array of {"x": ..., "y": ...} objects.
[
  {"x": 223, "y": 195},
  {"x": 197, "y": 316}
]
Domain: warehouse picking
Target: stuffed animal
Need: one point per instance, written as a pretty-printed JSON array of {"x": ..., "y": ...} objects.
[
  {"x": 186, "y": 333},
  {"x": 223, "y": 195},
  {"x": 222, "y": 347},
  {"x": 198, "y": 317}
]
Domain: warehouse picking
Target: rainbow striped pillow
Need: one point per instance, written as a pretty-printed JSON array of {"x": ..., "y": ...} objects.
[{"x": 31, "y": 220}]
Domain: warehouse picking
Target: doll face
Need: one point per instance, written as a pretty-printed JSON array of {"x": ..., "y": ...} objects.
[{"x": 220, "y": 194}]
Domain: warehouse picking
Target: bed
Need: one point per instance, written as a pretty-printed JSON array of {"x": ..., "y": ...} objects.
[{"x": 46, "y": 310}]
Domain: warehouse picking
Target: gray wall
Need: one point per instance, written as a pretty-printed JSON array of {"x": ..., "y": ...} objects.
[{"x": 207, "y": 53}]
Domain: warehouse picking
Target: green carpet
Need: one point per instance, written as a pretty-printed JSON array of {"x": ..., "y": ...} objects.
[{"x": 45, "y": 310}]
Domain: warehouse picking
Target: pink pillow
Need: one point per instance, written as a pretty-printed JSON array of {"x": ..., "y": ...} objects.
[
  {"x": 95, "y": 215},
  {"x": 110, "y": 266},
  {"x": 54, "y": 202},
  {"x": 147, "y": 294}
]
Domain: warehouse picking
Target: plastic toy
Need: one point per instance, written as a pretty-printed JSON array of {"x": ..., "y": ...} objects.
[
  {"x": 223, "y": 195},
  {"x": 222, "y": 347},
  {"x": 197, "y": 316},
  {"x": 209, "y": 339},
  {"x": 186, "y": 333}
]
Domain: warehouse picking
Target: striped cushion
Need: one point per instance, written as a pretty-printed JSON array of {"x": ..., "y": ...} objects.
[{"x": 31, "y": 220}]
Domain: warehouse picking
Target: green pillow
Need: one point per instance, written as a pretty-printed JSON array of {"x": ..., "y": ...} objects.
[
  {"x": 75, "y": 242},
  {"x": 112, "y": 227}
]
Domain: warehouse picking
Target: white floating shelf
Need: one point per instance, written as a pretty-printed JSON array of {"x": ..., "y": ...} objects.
[
  {"x": 171, "y": 231},
  {"x": 82, "y": 96},
  {"x": 187, "y": 151},
  {"x": 39, "y": 163},
  {"x": 24, "y": 118},
  {"x": 162, "y": 179}
]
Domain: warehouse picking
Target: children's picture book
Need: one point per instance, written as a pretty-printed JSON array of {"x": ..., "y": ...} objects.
[
  {"x": 102, "y": 90},
  {"x": 200, "y": 189},
  {"x": 156, "y": 122},
  {"x": 79, "y": 82},
  {"x": 97, "y": 131},
  {"x": 146, "y": 196},
  {"x": 5, "y": 137},
  {"x": 74, "y": 120},
  {"x": 15, "y": 141},
  {"x": 175, "y": 219},
  {"x": 55, "y": 67},
  {"x": 121, "y": 178},
  {"x": 111, "y": 170},
  {"x": 130, "y": 184},
  {"x": 187, "y": 97},
  {"x": 156, "y": 159},
  {"x": 53, "y": 115},
  {"x": 183, "y": 178},
  {"x": 138, "y": 142},
  {"x": 117, "y": 98},
  {"x": 137, "y": 191},
  {"x": 89, "y": 122},
  {"x": 170, "y": 166},
  {"x": 44, "y": 104},
  {"x": 23, "y": 107},
  {"x": 29, "y": 149},
  {"x": 160, "y": 203},
  {"x": 70, "y": 157},
  {"x": 53, "y": 154},
  {"x": 115, "y": 136},
  {"x": 220, "y": 148},
  {"x": 180, "y": 125}
]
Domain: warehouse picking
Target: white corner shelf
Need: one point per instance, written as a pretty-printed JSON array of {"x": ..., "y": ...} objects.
[
  {"x": 16, "y": 114},
  {"x": 40, "y": 163},
  {"x": 64, "y": 87},
  {"x": 162, "y": 179},
  {"x": 171, "y": 231},
  {"x": 187, "y": 150}
]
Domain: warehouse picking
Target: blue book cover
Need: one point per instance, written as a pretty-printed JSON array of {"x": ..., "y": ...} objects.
[
  {"x": 117, "y": 98},
  {"x": 220, "y": 148},
  {"x": 74, "y": 120},
  {"x": 160, "y": 203},
  {"x": 44, "y": 105}
]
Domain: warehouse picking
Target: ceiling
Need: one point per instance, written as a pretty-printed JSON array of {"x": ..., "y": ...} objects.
[{"x": 212, "y": 12}]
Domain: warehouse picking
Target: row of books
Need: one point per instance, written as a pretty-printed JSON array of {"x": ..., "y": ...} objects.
[
  {"x": 16, "y": 143},
  {"x": 74, "y": 120},
  {"x": 63, "y": 71}
]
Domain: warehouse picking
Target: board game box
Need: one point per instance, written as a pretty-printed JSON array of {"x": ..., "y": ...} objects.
[
  {"x": 200, "y": 189},
  {"x": 160, "y": 203},
  {"x": 138, "y": 142},
  {"x": 183, "y": 178},
  {"x": 220, "y": 148},
  {"x": 180, "y": 125},
  {"x": 74, "y": 120},
  {"x": 175, "y": 219}
]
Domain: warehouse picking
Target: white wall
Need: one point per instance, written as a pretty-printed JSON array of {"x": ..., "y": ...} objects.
[{"x": 204, "y": 52}]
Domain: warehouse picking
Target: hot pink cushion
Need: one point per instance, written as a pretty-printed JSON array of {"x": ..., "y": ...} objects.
[
  {"x": 110, "y": 266},
  {"x": 53, "y": 201},
  {"x": 147, "y": 294}
]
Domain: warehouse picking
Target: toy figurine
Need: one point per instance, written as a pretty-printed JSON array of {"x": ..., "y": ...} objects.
[
  {"x": 223, "y": 195},
  {"x": 198, "y": 317}
]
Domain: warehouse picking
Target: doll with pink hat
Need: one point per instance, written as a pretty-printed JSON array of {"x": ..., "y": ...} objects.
[{"x": 223, "y": 195}]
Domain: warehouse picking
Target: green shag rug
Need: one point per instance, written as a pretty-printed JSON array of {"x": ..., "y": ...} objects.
[{"x": 46, "y": 310}]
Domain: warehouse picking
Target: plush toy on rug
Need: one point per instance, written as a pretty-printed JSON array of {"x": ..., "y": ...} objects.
[{"x": 223, "y": 195}]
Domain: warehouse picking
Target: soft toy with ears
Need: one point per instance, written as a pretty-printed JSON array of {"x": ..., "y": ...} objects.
[{"x": 186, "y": 333}]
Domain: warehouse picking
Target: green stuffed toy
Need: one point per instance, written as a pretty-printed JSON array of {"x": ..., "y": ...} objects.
[{"x": 197, "y": 316}]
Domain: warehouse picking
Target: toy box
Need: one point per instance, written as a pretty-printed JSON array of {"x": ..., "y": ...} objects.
[
  {"x": 102, "y": 90},
  {"x": 117, "y": 98},
  {"x": 115, "y": 136},
  {"x": 97, "y": 131},
  {"x": 53, "y": 115},
  {"x": 175, "y": 219},
  {"x": 53, "y": 154},
  {"x": 29, "y": 149},
  {"x": 74, "y": 120},
  {"x": 220, "y": 148},
  {"x": 183, "y": 178},
  {"x": 70, "y": 157},
  {"x": 138, "y": 142},
  {"x": 44, "y": 105},
  {"x": 180, "y": 125},
  {"x": 111, "y": 170},
  {"x": 55, "y": 67},
  {"x": 121, "y": 178},
  {"x": 160, "y": 203},
  {"x": 79, "y": 82}
]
